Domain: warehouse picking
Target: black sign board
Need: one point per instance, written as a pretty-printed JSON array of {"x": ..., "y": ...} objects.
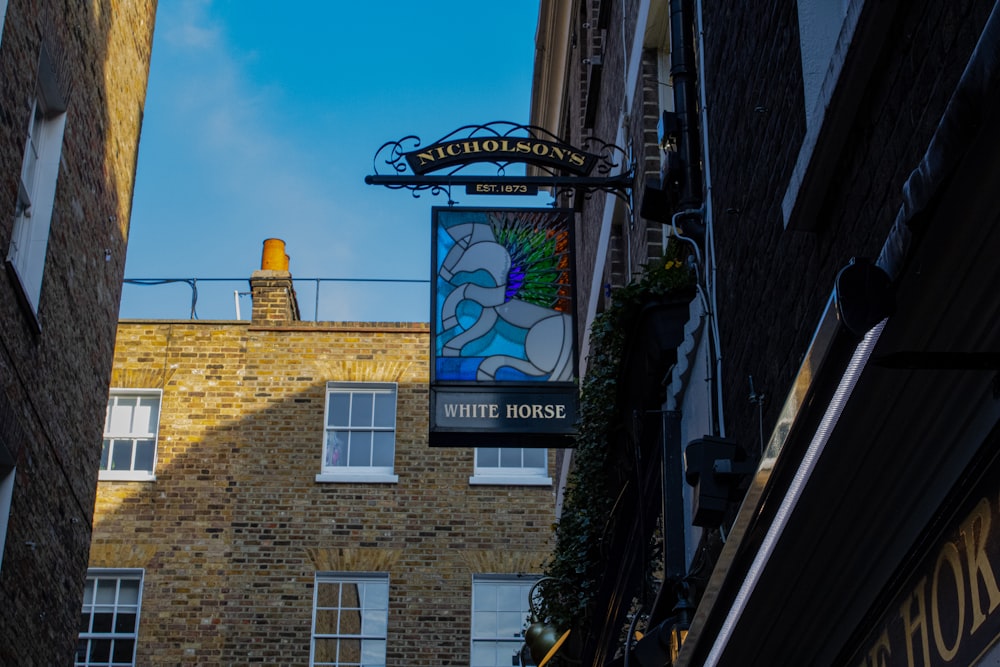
[
  {"x": 523, "y": 416},
  {"x": 948, "y": 611},
  {"x": 500, "y": 150},
  {"x": 595, "y": 166}
]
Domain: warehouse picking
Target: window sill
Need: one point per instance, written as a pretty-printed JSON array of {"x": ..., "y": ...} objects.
[
  {"x": 111, "y": 476},
  {"x": 509, "y": 480},
  {"x": 358, "y": 477}
]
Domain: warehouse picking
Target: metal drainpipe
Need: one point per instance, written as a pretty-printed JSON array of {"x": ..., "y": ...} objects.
[
  {"x": 674, "y": 559},
  {"x": 685, "y": 99}
]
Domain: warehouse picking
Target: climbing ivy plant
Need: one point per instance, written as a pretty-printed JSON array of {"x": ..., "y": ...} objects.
[{"x": 577, "y": 564}]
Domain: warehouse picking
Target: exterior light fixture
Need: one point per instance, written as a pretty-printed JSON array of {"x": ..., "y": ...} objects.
[
  {"x": 864, "y": 295},
  {"x": 541, "y": 640},
  {"x": 661, "y": 645},
  {"x": 542, "y": 643}
]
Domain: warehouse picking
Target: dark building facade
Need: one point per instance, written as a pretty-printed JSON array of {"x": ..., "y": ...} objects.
[
  {"x": 830, "y": 416},
  {"x": 72, "y": 88}
]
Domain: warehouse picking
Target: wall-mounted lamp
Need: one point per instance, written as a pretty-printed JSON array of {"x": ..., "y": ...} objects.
[
  {"x": 661, "y": 645},
  {"x": 541, "y": 641},
  {"x": 864, "y": 295}
]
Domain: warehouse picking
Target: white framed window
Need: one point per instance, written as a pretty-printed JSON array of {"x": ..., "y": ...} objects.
[
  {"x": 820, "y": 22},
  {"x": 350, "y": 620},
  {"x": 37, "y": 185},
  {"x": 511, "y": 466},
  {"x": 499, "y": 615},
  {"x": 6, "y": 495},
  {"x": 109, "y": 622},
  {"x": 3, "y": 17},
  {"x": 130, "y": 428},
  {"x": 359, "y": 440}
]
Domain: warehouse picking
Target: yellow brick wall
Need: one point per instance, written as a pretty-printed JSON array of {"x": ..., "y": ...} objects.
[{"x": 235, "y": 526}]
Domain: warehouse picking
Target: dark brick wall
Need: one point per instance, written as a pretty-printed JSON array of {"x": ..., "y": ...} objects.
[
  {"x": 55, "y": 380},
  {"x": 634, "y": 239},
  {"x": 773, "y": 283}
]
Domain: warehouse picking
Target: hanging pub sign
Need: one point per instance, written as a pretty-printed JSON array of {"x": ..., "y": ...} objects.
[
  {"x": 503, "y": 361},
  {"x": 503, "y": 358}
]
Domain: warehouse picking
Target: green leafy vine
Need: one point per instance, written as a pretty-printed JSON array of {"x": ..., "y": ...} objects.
[{"x": 577, "y": 562}]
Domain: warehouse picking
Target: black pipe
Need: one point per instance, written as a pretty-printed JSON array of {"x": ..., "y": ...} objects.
[
  {"x": 682, "y": 69},
  {"x": 674, "y": 527}
]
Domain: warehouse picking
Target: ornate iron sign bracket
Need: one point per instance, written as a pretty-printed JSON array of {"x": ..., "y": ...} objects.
[{"x": 596, "y": 166}]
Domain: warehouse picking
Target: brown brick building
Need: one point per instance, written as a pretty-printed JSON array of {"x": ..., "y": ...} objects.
[
  {"x": 72, "y": 89},
  {"x": 829, "y": 435},
  {"x": 268, "y": 497}
]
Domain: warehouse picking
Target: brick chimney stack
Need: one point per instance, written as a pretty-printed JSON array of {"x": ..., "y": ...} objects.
[{"x": 271, "y": 287}]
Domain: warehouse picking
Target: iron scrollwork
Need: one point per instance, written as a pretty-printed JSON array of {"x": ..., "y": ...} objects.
[{"x": 607, "y": 166}]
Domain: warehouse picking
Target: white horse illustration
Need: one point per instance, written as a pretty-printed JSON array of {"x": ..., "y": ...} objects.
[{"x": 548, "y": 342}]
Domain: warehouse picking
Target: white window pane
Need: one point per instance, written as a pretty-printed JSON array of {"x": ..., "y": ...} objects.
[
  {"x": 510, "y": 598},
  {"x": 325, "y": 651},
  {"x": 385, "y": 410},
  {"x": 128, "y": 592},
  {"x": 535, "y": 458},
  {"x": 146, "y": 415},
  {"x": 336, "y": 448},
  {"x": 122, "y": 652},
  {"x": 374, "y": 622},
  {"x": 484, "y": 623},
  {"x": 326, "y": 621},
  {"x": 121, "y": 455},
  {"x": 130, "y": 428},
  {"x": 485, "y": 597},
  {"x": 364, "y": 416},
  {"x": 373, "y": 652},
  {"x": 100, "y": 651},
  {"x": 125, "y": 621},
  {"x": 510, "y": 623},
  {"x": 351, "y": 595},
  {"x": 144, "y": 455},
  {"x": 350, "y": 622},
  {"x": 361, "y": 410},
  {"x": 358, "y": 638},
  {"x": 484, "y": 654},
  {"x": 88, "y": 592},
  {"x": 377, "y": 595},
  {"x": 120, "y": 422},
  {"x": 488, "y": 457},
  {"x": 105, "y": 591},
  {"x": 338, "y": 410},
  {"x": 360, "y": 449},
  {"x": 383, "y": 444},
  {"x": 510, "y": 457},
  {"x": 500, "y": 610}
]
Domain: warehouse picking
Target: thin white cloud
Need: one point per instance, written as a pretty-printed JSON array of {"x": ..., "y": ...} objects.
[
  {"x": 233, "y": 130},
  {"x": 189, "y": 28}
]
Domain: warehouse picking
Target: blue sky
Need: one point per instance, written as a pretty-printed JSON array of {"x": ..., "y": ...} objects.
[{"x": 262, "y": 122}]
